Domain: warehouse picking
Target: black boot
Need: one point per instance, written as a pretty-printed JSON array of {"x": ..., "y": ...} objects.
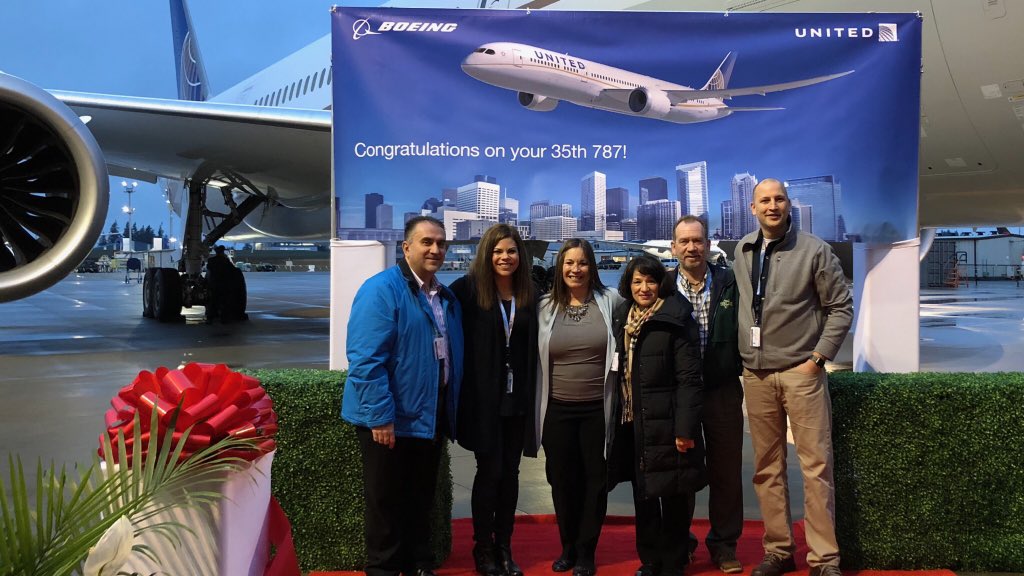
[
  {"x": 483, "y": 557},
  {"x": 506, "y": 564}
]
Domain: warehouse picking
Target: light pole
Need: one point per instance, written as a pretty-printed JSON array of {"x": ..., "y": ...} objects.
[{"x": 128, "y": 189}]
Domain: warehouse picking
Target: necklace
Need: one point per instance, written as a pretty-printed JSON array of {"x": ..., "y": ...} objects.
[{"x": 576, "y": 313}]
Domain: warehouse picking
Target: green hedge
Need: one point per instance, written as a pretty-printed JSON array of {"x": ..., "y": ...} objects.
[
  {"x": 929, "y": 470},
  {"x": 317, "y": 473}
]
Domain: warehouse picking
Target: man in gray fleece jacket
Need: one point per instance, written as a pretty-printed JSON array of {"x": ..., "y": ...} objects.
[{"x": 794, "y": 312}]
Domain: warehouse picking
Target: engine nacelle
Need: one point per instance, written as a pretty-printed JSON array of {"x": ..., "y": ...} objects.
[
  {"x": 537, "y": 103},
  {"x": 53, "y": 189},
  {"x": 649, "y": 103}
]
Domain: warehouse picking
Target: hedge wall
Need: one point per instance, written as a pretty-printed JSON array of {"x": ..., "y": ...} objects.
[
  {"x": 929, "y": 470},
  {"x": 317, "y": 473}
]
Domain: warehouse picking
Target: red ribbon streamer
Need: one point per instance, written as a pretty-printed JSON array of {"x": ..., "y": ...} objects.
[{"x": 214, "y": 400}]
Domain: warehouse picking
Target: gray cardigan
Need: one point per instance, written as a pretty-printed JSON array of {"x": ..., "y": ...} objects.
[
  {"x": 807, "y": 306},
  {"x": 546, "y": 313}
]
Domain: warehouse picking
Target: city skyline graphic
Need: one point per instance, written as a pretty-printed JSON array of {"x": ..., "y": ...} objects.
[{"x": 847, "y": 147}]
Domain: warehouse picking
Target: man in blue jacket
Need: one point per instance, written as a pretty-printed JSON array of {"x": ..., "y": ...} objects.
[{"x": 405, "y": 366}]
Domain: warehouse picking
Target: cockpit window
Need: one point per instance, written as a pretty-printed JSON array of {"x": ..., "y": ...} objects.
[
  {"x": 484, "y": 51},
  {"x": 490, "y": 51}
]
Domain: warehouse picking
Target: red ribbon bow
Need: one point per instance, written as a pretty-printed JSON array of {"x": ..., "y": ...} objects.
[{"x": 216, "y": 401}]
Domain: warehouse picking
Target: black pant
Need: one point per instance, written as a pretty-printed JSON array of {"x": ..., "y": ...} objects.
[
  {"x": 496, "y": 485},
  {"x": 722, "y": 423},
  {"x": 662, "y": 523},
  {"x": 398, "y": 486},
  {"x": 574, "y": 438}
]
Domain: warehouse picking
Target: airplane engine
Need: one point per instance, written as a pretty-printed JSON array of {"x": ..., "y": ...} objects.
[
  {"x": 648, "y": 102},
  {"x": 537, "y": 103},
  {"x": 53, "y": 189}
]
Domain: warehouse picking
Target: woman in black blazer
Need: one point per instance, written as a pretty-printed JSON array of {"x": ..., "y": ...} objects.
[{"x": 499, "y": 320}]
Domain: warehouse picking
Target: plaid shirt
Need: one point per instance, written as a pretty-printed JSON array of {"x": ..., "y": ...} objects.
[{"x": 701, "y": 301}]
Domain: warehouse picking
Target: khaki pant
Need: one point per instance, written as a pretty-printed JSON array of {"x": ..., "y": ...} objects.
[{"x": 771, "y": 396}]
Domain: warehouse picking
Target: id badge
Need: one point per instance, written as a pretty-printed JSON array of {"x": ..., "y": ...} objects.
[
  {"x": 508, "y": 380},
  {"x": 755, "y": 336},
  {"x": 440, "y": 350},
  {"x": 615, "y": 362}
]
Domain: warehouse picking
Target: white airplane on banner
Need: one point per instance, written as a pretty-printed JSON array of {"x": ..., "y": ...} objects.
[{"x": 542, "y": 78}]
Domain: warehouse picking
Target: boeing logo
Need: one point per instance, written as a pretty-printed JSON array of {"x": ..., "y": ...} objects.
[
  {"x": 362, "y": 27},
  {"x": 886, "y": 32}
]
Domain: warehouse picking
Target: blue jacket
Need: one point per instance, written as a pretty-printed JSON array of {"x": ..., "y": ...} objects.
[{"x": 392, "y": 373}]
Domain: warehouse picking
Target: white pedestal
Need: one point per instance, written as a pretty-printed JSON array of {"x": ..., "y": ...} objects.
[
  {"x": 352, "y": 262},
  {"x": 231, "y": 539},
  {"x": 886, "y": 299}
]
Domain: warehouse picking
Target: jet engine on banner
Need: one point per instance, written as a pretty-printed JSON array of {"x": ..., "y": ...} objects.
[
  {"x": 537, "y": 103},
  {"x": 53, "y": 189}
]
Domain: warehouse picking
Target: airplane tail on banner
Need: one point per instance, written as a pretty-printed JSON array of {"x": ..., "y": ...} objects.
[
  {"x": 720, "y": 79},
  {"x": 188, "y": 62}
]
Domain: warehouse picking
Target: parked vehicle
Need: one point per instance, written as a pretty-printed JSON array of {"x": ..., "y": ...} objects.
[
  {"x": 266, "y": 267},
  {"x": 89, "y": 265}
]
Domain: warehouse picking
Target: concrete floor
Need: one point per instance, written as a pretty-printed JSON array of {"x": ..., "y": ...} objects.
[{"x": 66, "y": 351}]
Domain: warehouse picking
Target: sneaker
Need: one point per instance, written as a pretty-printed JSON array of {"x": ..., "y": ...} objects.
[
  {"x": 825, "y": 570},
  {"x": 775, "y": 564},
  {"x": 727, "y": 562}
]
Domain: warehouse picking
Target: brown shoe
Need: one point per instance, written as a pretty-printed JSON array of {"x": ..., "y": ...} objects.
[{"x": 774, "y": 565}]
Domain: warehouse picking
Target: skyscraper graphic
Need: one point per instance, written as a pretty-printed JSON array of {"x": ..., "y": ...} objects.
[
  {"x": 801, "y": 214},
  {"x": 728, "y": 214},
  {"x": 372, "y": 200},
  {"x": 385, "y": 216},
  {"x": 656, "y": 218},
  {"x": 742, "y": 195},
  {"x": 821, "y": 193},
  {"x": 592, "y": 202},
  {"x": 480, "y": 197},
  {"x": 692, "y": 187},
  {"x": 654, "y": 188},
  {"x": 616, "y": 207}
]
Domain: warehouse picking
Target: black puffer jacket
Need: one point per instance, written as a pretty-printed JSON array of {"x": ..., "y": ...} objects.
[{"x": 667, "y": 399}]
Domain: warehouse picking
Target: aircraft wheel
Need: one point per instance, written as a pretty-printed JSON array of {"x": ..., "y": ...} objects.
[
  {"x": 148, "y": 285},
  {"x": 167, "y": 295}
]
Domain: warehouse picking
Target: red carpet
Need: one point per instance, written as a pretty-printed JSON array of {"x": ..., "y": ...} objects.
[{"x": 535, "y": 545}]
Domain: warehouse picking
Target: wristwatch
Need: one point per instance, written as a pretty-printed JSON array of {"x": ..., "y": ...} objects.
[{"x": 819, "y": 360}]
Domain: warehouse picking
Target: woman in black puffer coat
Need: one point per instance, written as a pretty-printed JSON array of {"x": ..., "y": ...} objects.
[{"x": 655, "y": 438}]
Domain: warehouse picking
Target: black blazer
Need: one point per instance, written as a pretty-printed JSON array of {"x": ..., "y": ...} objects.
[{"x": 483, "y": 380}]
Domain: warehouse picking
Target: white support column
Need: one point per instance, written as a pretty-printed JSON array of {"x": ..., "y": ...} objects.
[
  {"x": 352, "y": 262},
  {"x": 886, "y": 299}
]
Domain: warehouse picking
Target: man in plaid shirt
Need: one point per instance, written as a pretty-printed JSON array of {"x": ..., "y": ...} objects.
[{"x": 712, "y": 292}]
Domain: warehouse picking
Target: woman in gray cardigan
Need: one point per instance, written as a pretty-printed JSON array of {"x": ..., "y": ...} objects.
[{"x": 574, "y": 400}]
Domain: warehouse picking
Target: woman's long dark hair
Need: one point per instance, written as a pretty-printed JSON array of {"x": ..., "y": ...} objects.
[
  {"x": 560, "y": 295},
  {"x": 481, "y": 271}
]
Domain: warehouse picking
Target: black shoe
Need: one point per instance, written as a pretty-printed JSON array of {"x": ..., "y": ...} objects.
[
  {"x": 774, "y": 565},
  {"x": 565, "y": 562},
  {"x": 483, "y": 557},
  {"x": 584, "y": 571},
  {"x": 726, "y": 561},
  {"x": 506, "y": 565},
  {"x": 825, "y": 570},
  {"x": 647, "y": 570}
]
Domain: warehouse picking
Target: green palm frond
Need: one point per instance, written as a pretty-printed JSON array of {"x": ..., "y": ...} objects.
[{"x": 53, "y": 534}]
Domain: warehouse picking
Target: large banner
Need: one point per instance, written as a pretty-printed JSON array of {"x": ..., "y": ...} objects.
[{"x": 612, "y": 124}]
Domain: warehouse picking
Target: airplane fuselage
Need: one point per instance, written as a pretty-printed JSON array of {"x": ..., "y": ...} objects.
[{"x": 535, "y": 71}]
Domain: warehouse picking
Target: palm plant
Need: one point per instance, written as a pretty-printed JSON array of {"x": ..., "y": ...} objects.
[{"x": 72, "y": 510}]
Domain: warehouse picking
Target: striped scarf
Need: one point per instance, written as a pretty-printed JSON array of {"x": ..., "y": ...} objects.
[{"x": 636, "y": 318}]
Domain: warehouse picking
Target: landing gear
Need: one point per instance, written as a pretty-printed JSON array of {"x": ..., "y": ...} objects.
[{"x": 166, "y": 290}]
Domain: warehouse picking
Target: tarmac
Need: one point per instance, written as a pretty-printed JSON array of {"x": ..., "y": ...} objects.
[{"x": 66, "y": 351}]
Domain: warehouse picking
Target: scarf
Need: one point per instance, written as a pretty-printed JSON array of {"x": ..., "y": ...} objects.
[{"x": 634, "y": 321}]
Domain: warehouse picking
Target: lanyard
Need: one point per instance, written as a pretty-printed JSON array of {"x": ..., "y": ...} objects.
[
  {"x": 509, "y": 322},
  {"x": 701, "y": 296},
  {"x": 759, "y": 275}
]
